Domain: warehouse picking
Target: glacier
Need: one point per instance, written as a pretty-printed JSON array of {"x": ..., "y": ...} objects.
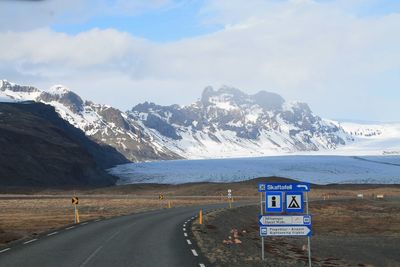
[{"x": 319, "y": 169}]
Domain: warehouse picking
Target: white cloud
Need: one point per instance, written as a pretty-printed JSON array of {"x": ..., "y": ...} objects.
[{"x": 318, "y": 53}]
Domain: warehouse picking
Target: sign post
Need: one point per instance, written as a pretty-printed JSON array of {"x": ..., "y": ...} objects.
[
  {"x": 230, "y": 198},
  {"x": 75, "y": 202},
  {"x": 308, "y": 237},
  {"x": 288, "y": 198},
  {"x": 262, "y": 238},
  {"x": 161, "y": 198}
]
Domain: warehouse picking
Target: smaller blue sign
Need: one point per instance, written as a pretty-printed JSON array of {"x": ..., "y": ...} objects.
[
  {"x": 273, "y": 202},
  {"x": 307, "y": 219},
  {"x": 261, "y": 187},
  {"x": 297, "y": 187},
  {"x": 263, "y": 231},
  {"x": 294, "y": 202}
]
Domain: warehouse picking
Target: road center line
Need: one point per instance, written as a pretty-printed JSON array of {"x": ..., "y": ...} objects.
[
  {"x": 91, "y": 256},
  {"x": 194, "y": 252},
  {"x": 54, "y": 233},
  {"x": 30, "y": 241},
  {"x": 185, "y": 234},
  {"x": 98, "y": 249},
  {"x": 184, "y": 229},
  {"x": 188, "y": 241},
  {"x": 4, "y": 250}
]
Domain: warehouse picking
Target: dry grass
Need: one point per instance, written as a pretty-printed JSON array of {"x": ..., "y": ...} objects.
[
  {"x": 42, "y": 210},
  {"x": 22, "y": 217}
]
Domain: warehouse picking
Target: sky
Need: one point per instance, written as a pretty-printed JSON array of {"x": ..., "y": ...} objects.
[{"x": 342, "y": 57}]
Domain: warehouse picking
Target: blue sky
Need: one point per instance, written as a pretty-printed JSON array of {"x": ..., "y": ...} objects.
[
  {"x": 182, "y": 19},
  {"x": 340, "y": 56},
  {"x": 167, "y": 23}
]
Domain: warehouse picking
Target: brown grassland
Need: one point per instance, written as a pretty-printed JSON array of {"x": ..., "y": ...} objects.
[{"x": 26, "y": 213}]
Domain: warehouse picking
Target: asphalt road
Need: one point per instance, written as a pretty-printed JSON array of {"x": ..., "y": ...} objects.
[{"x": 156, "y": 238}]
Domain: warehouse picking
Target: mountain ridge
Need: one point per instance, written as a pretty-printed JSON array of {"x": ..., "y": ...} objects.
[
  {"x": 103, "y": 123},
  {"x": 225, "y": 122},
  {"x": 235, "y": 122}
]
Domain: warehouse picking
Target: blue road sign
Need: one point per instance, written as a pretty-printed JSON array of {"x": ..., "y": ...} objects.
[
  {"x": 273, "y": 201},
  {"x": 303, "y": 230},
  {"x": 297, "y": 187},
  {"x": 294, "y": 202},
  {"x": 263, "y": 231}
]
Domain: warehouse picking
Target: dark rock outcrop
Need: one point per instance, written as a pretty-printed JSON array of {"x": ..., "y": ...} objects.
[{"x": 38, "y": 148}]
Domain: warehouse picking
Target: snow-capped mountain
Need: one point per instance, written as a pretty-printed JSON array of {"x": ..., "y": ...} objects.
[
  {"x": 223, "y": 123},
  {"x": 371, "y": 139},
  {"x": 230, "y": 123},
  {"x": 102, "y": 123}
]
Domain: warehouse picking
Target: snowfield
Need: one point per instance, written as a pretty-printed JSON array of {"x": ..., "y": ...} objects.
[{"x": 314, "y": 169}]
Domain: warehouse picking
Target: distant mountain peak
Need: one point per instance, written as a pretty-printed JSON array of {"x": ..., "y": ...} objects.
[
  {"x": 236, "y": 97},
  {"x": 58, "y": 90},
  {"x": 63, "y": 95}
]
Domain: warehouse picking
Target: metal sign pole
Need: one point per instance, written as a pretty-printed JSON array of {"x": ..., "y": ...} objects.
[
  {"x": 75, "y": 214},
  {"x": 308, "y": 238},
  {"x": 262, "y": 238}
]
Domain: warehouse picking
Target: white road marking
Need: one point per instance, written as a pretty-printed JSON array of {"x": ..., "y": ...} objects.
[
  {"x": 202, "y": 265},
  {"x": 4, "y": 250},
  {"x": 54, "y": 233},
  {"x": 69, "y": 228},
  {"x": 195, "y": 252},
  {"x": 91, "y": 256},
  {"x": 30, "y": 241},
  {"x": 97, "y": 220},
  {"x": 98, "y": 249},
  {"x": 184, "y": 229},
  {"x": 188, "y": 241},
  {"x": 185, "y": 234},
  {"x": 84, "y": 223}
]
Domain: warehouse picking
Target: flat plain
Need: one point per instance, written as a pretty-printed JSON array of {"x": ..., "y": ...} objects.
[{"x": 347, "y": 231}]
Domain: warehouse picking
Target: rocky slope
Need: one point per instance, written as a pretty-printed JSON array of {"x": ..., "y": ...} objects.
[
  {"x": 228, "y": 122},
  {"x": 38, "y": 148}
]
